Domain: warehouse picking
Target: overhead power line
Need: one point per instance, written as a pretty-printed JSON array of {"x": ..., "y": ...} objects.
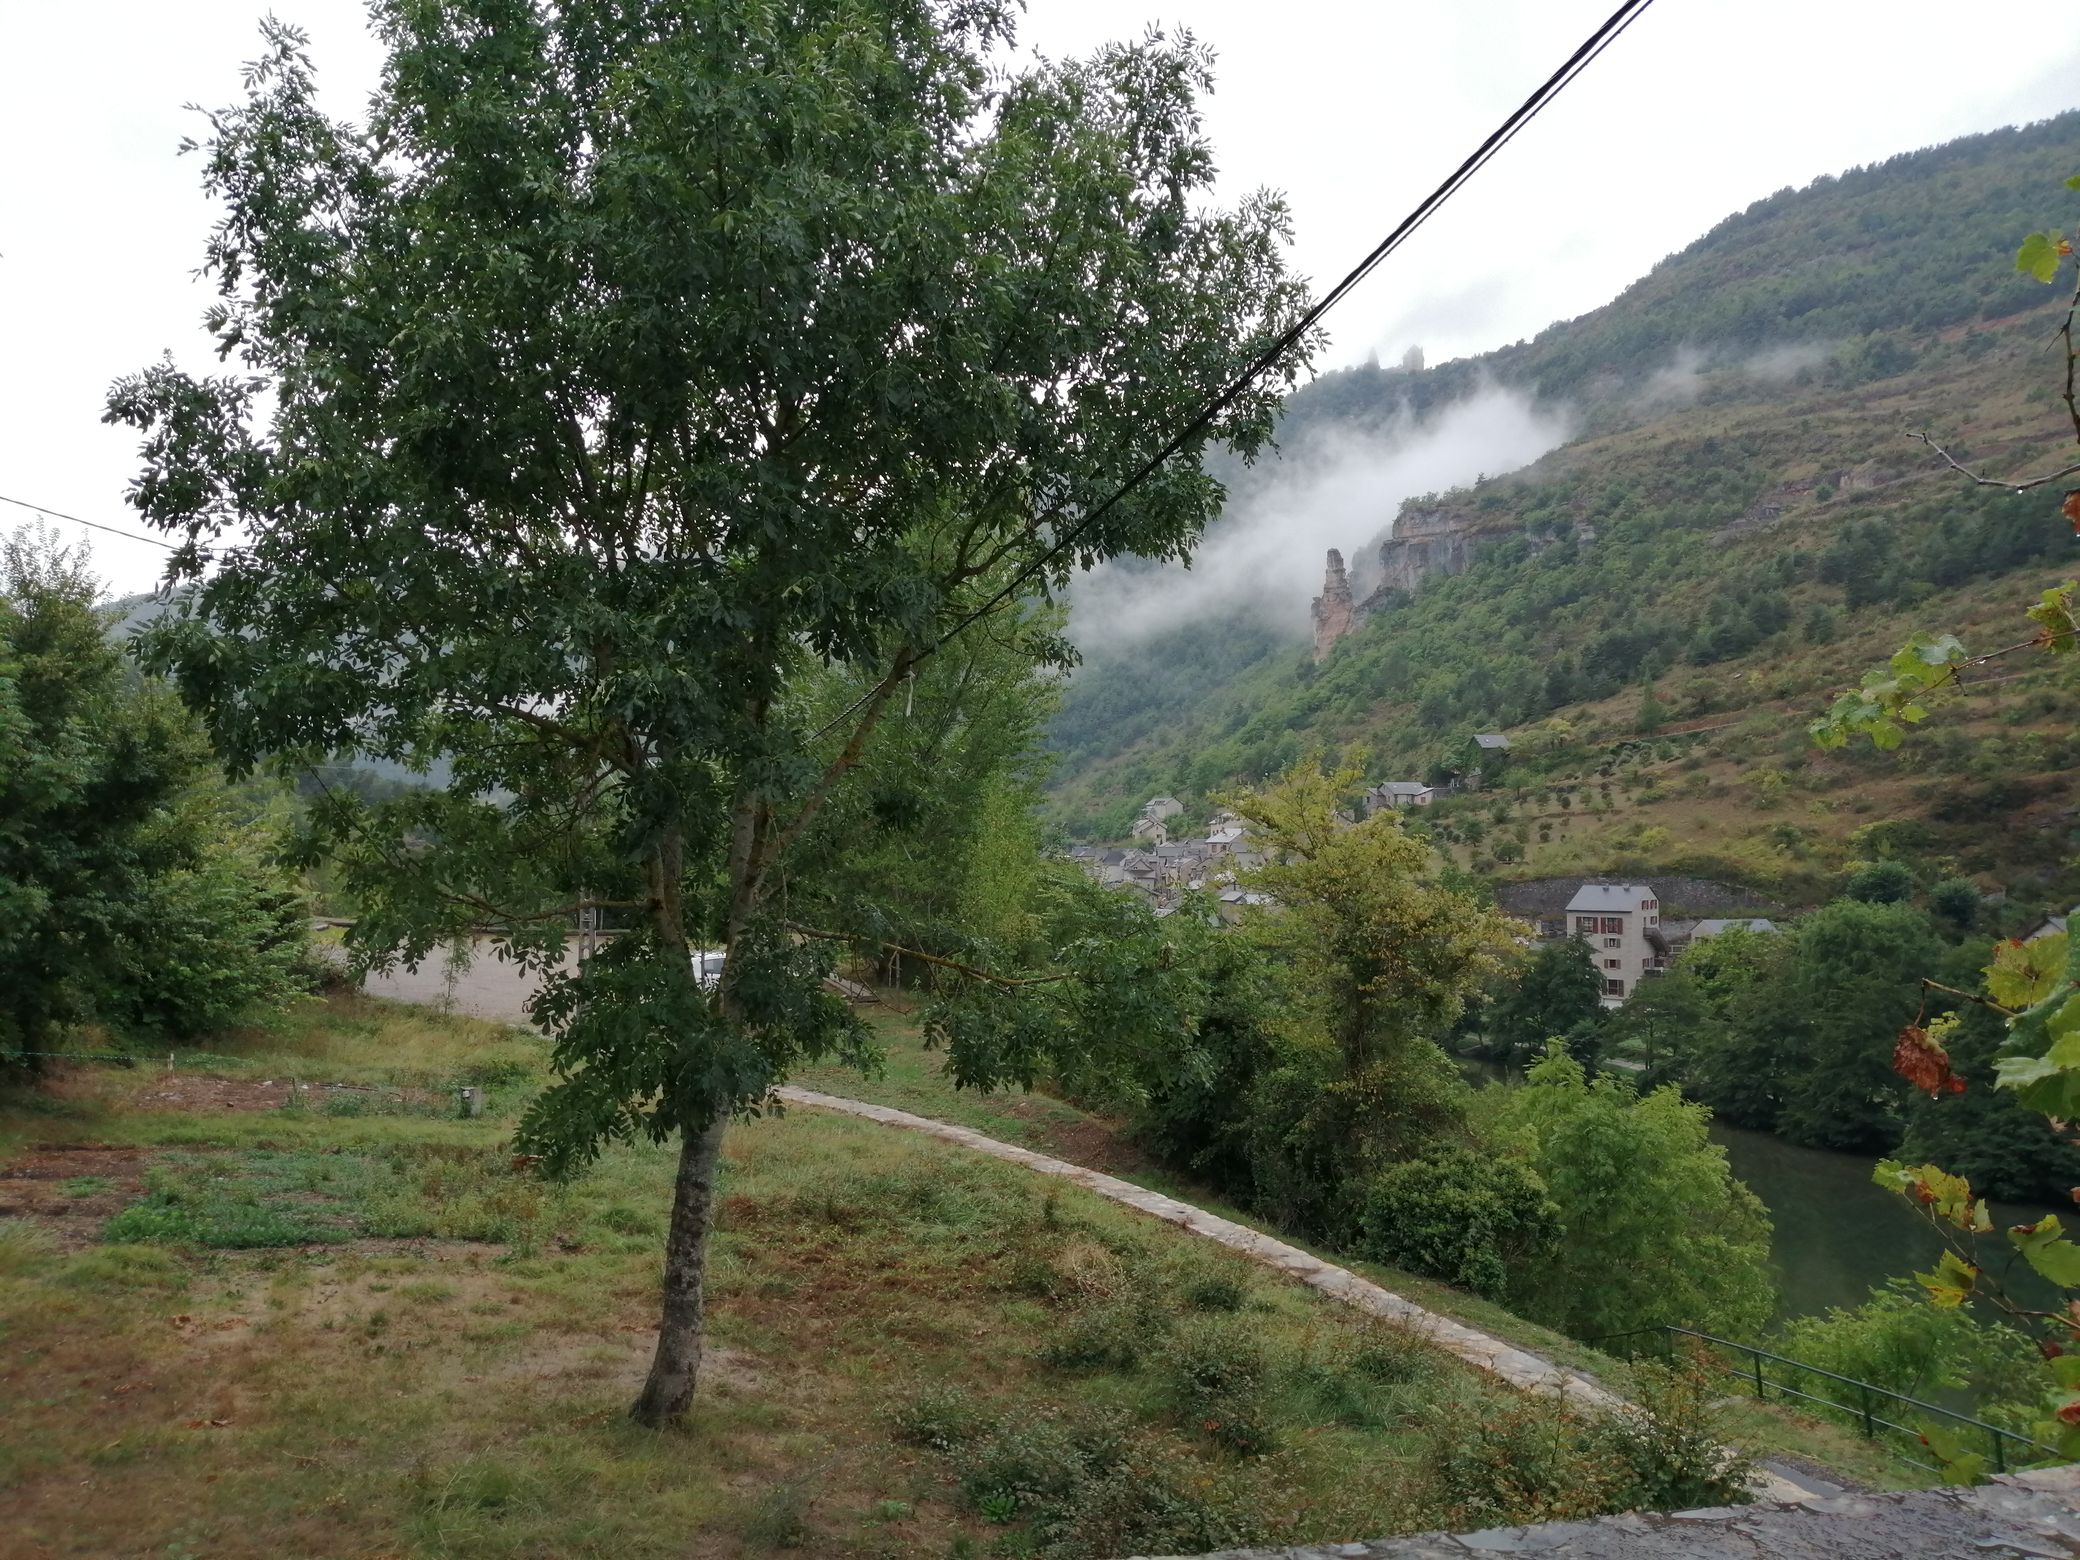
[
  {"x": 1501, "y": 136},
  {"x": 92, "y": 525}
]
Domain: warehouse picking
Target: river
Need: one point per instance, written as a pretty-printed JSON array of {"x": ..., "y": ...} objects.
[{"x": 1837, "y": 1232}]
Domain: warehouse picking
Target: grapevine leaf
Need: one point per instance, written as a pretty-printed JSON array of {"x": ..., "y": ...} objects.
[
  {"x": 2023, "y": 974},
  {"x": 1951, "y": 1284},
  {"x": 2044, "y": 1247},
  {"x": 1920, "y": 1058},
  {"x": 2038, "y": 256},
  {"x": 2074, "y": 182},
  {"x": 2054, "y": 616}
]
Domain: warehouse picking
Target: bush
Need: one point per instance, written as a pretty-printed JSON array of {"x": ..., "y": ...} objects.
[
  {"x": 1673, "y": 1457},
  {"x": 1107, "y": 1335},
  {"x": 1534, "y": 1457},
  {"x": 1217, "y": 1376},
  {"x": 1898, "y": 1341},
  {"x": 1880, "y": 883},
  {"x": 1462, "y": 1217}
]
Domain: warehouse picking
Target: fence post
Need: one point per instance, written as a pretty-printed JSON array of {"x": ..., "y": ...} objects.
[
  {"x": 2000, "y": 1453},
  {"x": 1863, "y": 1390},
  {"x": 1755, "y": 1360}
]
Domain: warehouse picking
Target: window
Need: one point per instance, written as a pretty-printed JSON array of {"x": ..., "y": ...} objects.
[
  {"x": 1614, "y": 923},
  {"x": 1653, "y": 920},
  {"x": 1614, "y": 988},
  {"x": 1610, "y": 964},
  {"x": 1610, "y": 942},
  {"x": 1585, "y": 923}
]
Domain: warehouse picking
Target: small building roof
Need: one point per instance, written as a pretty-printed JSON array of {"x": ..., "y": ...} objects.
[
  {"x": 2052, "y": 924},
  {"x": 1400, "y": 788},
  {"x": 1610, "y": 898},
  {"x": 1183, "y": 850},
  {"x": 1162, "y": 801},
  {"x": 1718, "y": 924},
  {"x": 1494, "y": 741},
  {"x": 1227, "y": 836}
]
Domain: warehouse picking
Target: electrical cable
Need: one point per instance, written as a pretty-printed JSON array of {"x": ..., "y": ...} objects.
[
  {"x": 95, "y": 525},
  {"x": 1585, "y": 55}
]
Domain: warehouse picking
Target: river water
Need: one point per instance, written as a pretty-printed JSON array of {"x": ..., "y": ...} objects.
[{"x": 1837, "y": 1232}]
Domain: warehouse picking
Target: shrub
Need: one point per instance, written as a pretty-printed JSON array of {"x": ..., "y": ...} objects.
[
  {"x": 1897, "y": 1340},
  {"x": 1217, "y": 1377},
  {"x": 1462, "y": 1217},
  {"x": 1672, "y": 1455},
  {"x": 1107, "y": 1335},
  {"x": 1880, "y": 883}
]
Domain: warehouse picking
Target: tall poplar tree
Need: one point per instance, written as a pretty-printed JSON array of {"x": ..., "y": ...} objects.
[{"x": 628, "y": 360}]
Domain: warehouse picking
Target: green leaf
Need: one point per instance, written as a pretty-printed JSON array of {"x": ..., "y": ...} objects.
[
  {"x": 2044, "y": 1248},
  {"x": 2074, "y": 182},
  {"x": 2038, "y": 256},
  {"x": 1960, "y": 1465},
  {"x": 1952, "y": 1282},
  {"x": 2023, "y": 974}
]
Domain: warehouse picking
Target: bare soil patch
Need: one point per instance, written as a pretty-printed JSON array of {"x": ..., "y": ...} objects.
[
  {"x": 1082, "y": 1140},
  {"x": 71, "y": 1189}
]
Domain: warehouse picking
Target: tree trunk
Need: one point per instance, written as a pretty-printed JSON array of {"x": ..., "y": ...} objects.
[{"x": 676, "y": 1366}]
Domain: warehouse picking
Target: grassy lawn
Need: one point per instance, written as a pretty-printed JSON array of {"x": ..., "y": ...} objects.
[{"x": 243, "y": 1318}]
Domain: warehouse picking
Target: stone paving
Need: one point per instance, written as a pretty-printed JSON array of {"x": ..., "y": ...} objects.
[{"x": 2030, "y": 1516}]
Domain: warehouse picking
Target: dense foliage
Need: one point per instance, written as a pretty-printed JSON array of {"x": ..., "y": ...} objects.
[
  {"x": 129, "y": 897},
  {"x": 629, "y": 388},
  {"x": 1657, "y": 1228}
]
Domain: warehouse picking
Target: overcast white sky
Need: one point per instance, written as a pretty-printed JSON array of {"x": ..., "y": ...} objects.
[{"x": 1354, "y": 109}]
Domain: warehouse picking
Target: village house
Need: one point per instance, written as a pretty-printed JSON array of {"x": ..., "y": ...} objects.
[
  {"x": 1161, "y": 808},
  {"x": 1150, "y": 831},
  {"x": 1621, "y": 925},
  {"x": 1398, "y": 794},
  {"x": 1714, "y": 926},
  {"x": 2050, "y": 926}
]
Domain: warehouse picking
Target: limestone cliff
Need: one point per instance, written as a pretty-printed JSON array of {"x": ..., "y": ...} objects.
[
  {"x": 1334, "y": 611},
  {"x": 1425, "y": 543}
]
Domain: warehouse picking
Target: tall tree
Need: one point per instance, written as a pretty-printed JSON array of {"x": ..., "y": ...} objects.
[
  {"x": 626, "y": 364},
  {"x": 127, "y": 897},
  {"x": 1549, "y": 996}
]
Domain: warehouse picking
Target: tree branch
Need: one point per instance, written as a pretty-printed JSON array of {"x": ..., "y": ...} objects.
[
  {"x": 2013, "y": 486},
  {"x": 1952, "y": 991},
  {"x": 1008, "y": 982}
]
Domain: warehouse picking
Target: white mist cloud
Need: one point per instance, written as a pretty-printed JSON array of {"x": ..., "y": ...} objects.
[
  {"x": 1264, "y": 557},
  {"x": 1682, "y": 378}
]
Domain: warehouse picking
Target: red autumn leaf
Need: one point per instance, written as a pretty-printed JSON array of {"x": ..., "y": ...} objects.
[
  {"x": 1924, "y": 1063},
  {"x": 2070, "y": 1412},
  {"x": 2071, "y": 509}
]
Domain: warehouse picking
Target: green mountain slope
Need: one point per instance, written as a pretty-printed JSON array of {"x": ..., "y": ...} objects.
[{"x": 1740, "y": 525}]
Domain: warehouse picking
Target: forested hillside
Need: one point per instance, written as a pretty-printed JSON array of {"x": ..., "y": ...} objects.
[{"x": 1740, "y": 525}]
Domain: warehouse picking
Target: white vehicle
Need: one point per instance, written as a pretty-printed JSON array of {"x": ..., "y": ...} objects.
[{"x": 707, "y": 967}]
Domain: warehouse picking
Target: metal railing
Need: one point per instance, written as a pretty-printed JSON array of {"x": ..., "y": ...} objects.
[{"x": 1750, "y": 1366}]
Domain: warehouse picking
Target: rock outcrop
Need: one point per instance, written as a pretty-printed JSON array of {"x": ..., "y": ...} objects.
[{"x": 1334, "y": 611}]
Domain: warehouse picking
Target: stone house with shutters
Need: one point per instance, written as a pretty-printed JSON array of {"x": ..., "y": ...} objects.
[{"x": 1621, "y": 925}]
